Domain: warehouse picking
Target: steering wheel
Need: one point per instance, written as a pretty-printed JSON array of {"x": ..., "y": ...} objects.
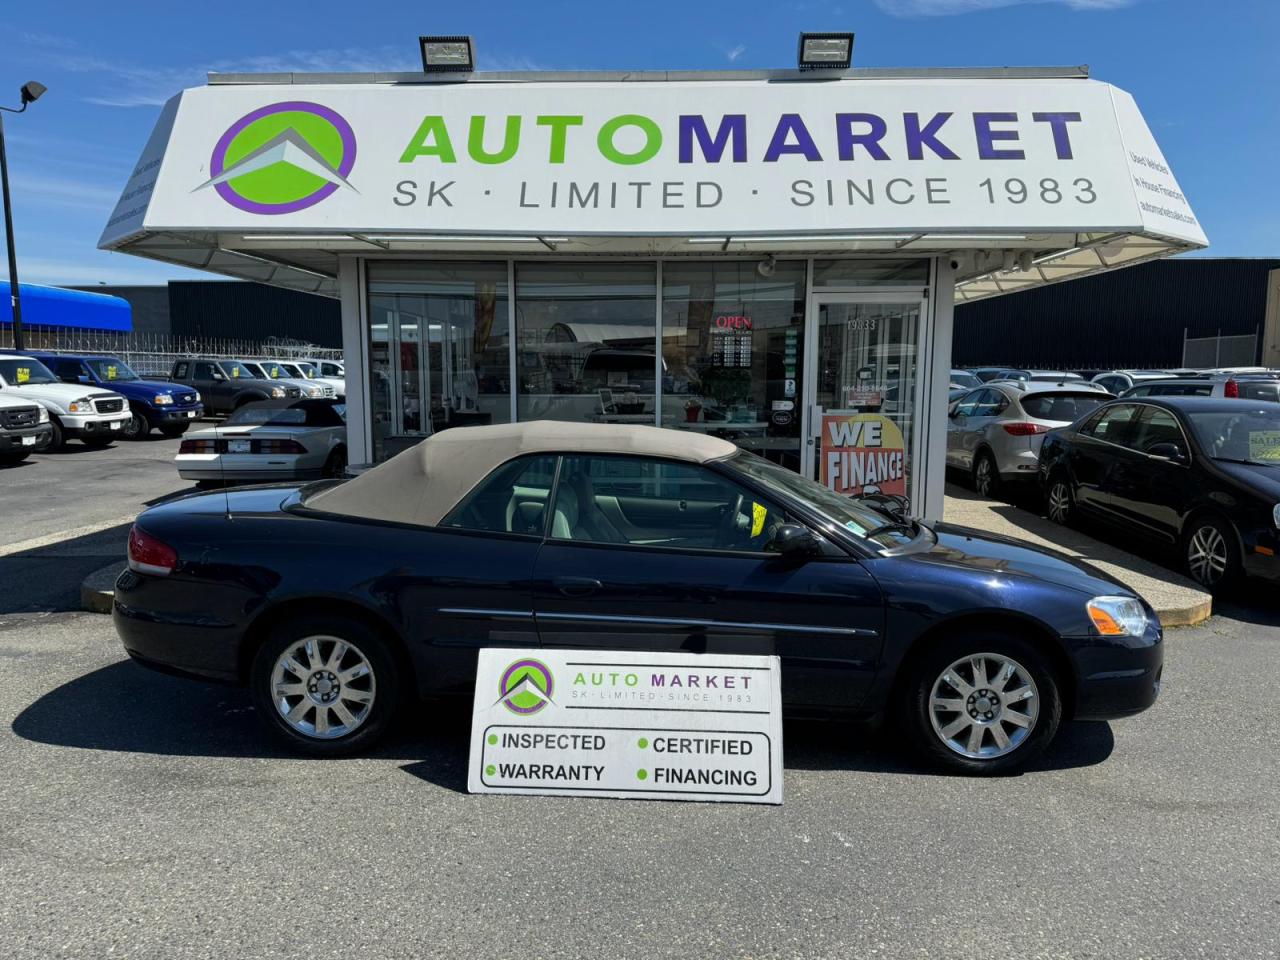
[{"x": 729, "y": 523}]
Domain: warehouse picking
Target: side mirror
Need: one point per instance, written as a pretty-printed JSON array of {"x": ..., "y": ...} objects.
[
  {"x": 793, "y": 541},
  {"x": 1167, "y": 451},
  {"x": 83, "y": 378},
  {"x": 218, "y": 376}
]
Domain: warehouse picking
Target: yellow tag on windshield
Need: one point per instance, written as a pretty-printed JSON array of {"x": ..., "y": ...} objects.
[
  {"x": 758, "y": 512},
  {"x": 24, "y": 374},
  {"x": 275, "y": 373},
  {"x": 111, "y": 373},
  {"x": 235, "y": 371},
  {"x": 1264, "y": 445}
]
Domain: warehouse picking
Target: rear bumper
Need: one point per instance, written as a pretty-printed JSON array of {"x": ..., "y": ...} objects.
[
  {"x": 169, "y": 640},
  {"x": 1118, "y": 676},
  {"x": 12, "y": 440},
  {"x": 214, "y": 466}
]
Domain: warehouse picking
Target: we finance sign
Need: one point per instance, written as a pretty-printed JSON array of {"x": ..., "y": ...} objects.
[
  {"x": 635, "y": 158},
  {"x": 862, "y": 454}
]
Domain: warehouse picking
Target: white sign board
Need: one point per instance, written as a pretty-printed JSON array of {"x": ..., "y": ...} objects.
[
  {"x": 667, "y": 726},
  {"x": 678, "y": 159}
]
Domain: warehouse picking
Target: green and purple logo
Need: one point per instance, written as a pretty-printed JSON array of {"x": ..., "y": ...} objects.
[
  {"x": 525, "y": 687},
  {"x": 283, "y": 158}
]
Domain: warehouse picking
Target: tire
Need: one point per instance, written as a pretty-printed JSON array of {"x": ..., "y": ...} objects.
[
  {"x": 943, "y": 736},
  {"x": 308, "y": 685},
  {"x": 136, "y": 427},
  {"x": 986, "y": 475},
  {"x": 335, "y": 467},
  {"x": 173, "y": 432},
  {"x": 56, "y": 438},
  {"x": 1211, "y": 552},
  {"x": 1060, "y": 502}
]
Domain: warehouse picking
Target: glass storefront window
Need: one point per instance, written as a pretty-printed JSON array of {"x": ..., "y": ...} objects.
[
  {"x": 732, "y": 347},
  {"x": 585, "y": 337},
  {"x": 870, "y": 273},
  {"x": 439, "y": 352}
]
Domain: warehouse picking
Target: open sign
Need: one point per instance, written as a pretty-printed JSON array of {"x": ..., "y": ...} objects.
[{"x": 733, "y": 321}]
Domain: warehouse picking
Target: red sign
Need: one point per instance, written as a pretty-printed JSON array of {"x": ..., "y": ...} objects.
[{"x": 729, "y": 321}]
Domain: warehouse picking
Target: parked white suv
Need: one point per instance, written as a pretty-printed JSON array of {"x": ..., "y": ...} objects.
[{"x": 95, "y": 417}]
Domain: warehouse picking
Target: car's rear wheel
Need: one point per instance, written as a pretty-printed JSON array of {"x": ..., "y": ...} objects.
[
  {"x": 336, "y": 465},
  {"x": 1059, "y": 504},
  {"x": 982, "y": 702},
  {"x": 1210, "y": 553},
  {"x": 325, "y": 686},
  {"x": 986, "y": 476}
]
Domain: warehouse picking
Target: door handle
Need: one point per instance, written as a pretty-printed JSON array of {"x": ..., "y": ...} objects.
[{"x": 577, "y": 586}]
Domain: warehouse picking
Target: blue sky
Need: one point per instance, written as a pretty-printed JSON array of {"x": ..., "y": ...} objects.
[{"x": 1202, "y": 72}]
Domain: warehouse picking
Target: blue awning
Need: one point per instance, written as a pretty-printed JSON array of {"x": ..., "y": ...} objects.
[{"x": 72, "y": 309}]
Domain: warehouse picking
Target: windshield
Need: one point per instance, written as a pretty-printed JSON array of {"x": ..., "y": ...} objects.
[
  {"x": 1251, "y": 435},
  {"x": 19, "y": 372},
  {"x": 307, "y": 369},
  {"x": 111, "y": 369},
  {"x": 964, "y": 379},
  {"x": 275, "y": 416},
  {"x": 856, "y": 516},
  {"x": 1062, "y": 407},
  {"x": 237, "y": 370},
  {"x": 274, "y": 370}
]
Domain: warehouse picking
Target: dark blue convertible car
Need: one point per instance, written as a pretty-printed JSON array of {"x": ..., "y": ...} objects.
[{"x": 337, "y": 601}]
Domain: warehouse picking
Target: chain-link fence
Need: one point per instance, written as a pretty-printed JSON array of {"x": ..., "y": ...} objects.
[
  {"x": 153, "y": 354},
  {"x": 1233, "y": 351}
]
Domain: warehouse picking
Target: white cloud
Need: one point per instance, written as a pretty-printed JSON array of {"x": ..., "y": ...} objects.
[
  {"x": 64, "y": 192},
  {"x": 96, "y": 266},
  {"x": 944, "y": 8},
  {"x": 735, "y": 53}
]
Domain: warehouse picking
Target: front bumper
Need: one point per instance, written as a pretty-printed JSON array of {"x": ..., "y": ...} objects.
[
  {"x": 24, "y": 438},
  {"x": 1118, "y": 676},
  {"x": 169, "y": 415},
  {"x": 94, "y": 424}
]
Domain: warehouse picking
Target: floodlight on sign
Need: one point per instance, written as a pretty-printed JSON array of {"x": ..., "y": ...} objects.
[
  {"x": 826, "y": 51},
  {"x": 448, "y": 54}
]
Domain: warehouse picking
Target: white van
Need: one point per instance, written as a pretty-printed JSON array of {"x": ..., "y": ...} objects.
[{"x": 93, "y": 416}]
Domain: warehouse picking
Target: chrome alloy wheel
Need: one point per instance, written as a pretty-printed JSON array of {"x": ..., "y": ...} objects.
[
  {"x": 323, "y": 687},
  {"x": 984, "y": 706},
  {"x": 1059, "y": 501},
  {"x": 1207, "y": 555},
  {"x": 982, "y": 480}
]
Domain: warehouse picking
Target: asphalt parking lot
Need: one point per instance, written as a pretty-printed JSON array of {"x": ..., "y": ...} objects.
[{"x": 146, "y": 816}]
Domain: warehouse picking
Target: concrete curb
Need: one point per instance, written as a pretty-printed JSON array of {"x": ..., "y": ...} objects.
[{"x": 98, "y": 589}]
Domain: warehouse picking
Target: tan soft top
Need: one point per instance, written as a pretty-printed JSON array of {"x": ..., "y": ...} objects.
[{"x": 422, "y": 484}]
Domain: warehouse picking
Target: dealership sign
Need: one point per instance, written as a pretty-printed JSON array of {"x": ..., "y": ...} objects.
[
  {"x": 677, "y": 158},
  {"x": 862, "y": 453},
  {"x": 669, "y": 726}
]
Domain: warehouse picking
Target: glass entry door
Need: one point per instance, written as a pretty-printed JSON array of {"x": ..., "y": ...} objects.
[{"x": 861, "y": 398}]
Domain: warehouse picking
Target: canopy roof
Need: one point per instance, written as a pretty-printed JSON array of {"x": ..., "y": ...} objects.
[
  {"x": 422, "y": 484},
  {"x": 74, "y": 309},
  {"x": 274, "y": 177}
]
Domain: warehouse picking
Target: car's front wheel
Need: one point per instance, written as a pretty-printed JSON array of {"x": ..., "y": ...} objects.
[
  {"x": 982, "y": 702},
  {"x": 326, "y": 686}
]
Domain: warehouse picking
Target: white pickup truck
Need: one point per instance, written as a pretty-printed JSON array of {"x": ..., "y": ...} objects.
[
  {"x": 24, "y": 425},
  {"x": 93, "y": 416}
]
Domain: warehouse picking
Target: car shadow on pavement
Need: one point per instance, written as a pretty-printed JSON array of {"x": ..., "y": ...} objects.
[
  {"x": 127, "y": 708},
  {"x": 46, "y": 579}
]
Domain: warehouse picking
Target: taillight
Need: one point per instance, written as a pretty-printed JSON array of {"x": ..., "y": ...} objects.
[
  {"x": 149, "y": 555},
  {"x": 1232, "y": 389},
  {"x": 279, "y": 446},
  {"x": 198, "y": 446},
  {"x": 1024, "y": 429}
]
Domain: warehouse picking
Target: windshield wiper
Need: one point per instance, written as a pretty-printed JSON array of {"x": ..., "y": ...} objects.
[{"x": 907, "y": 527}]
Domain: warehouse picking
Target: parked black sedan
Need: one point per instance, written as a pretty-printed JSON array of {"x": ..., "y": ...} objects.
[
  {"x": 336, "y": 601},
  {"x": 1196, "y": 472}
]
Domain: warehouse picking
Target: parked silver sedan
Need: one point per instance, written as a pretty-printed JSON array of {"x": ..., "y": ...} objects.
[
  {"x": 995, "y": 432},
  {"x": 269, "y": 440}
]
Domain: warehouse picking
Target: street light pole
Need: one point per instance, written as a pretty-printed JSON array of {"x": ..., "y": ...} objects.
[{"x": 31, "y": 92}]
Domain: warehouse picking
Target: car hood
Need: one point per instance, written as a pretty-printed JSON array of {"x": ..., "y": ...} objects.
[
  {"x": 1263, "y": 478},
  {"x": 984, "y": 552},
  {"x": 56, "y": 392}
]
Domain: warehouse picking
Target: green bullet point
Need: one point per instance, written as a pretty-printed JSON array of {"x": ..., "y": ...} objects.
[
  {"x": 642, "y": 743},
  {"x": 642, "y": 774},
  {"x": 490, "y": 770},
  {"x": 493, "y": 739}
]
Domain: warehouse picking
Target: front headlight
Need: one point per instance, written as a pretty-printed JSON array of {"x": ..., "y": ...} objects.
[
  {"x": 277, "y": 391},
  {"x": 83, "y": 405},
  {"x": 314, "y": 392},
  {"x": 44, "y": 414},
  {"x": 162, "y": 399},
  {"x": 1275, "y": 515},
  {"x": 1118, "y": 616},
  {"x": 197, "y": 396}
]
